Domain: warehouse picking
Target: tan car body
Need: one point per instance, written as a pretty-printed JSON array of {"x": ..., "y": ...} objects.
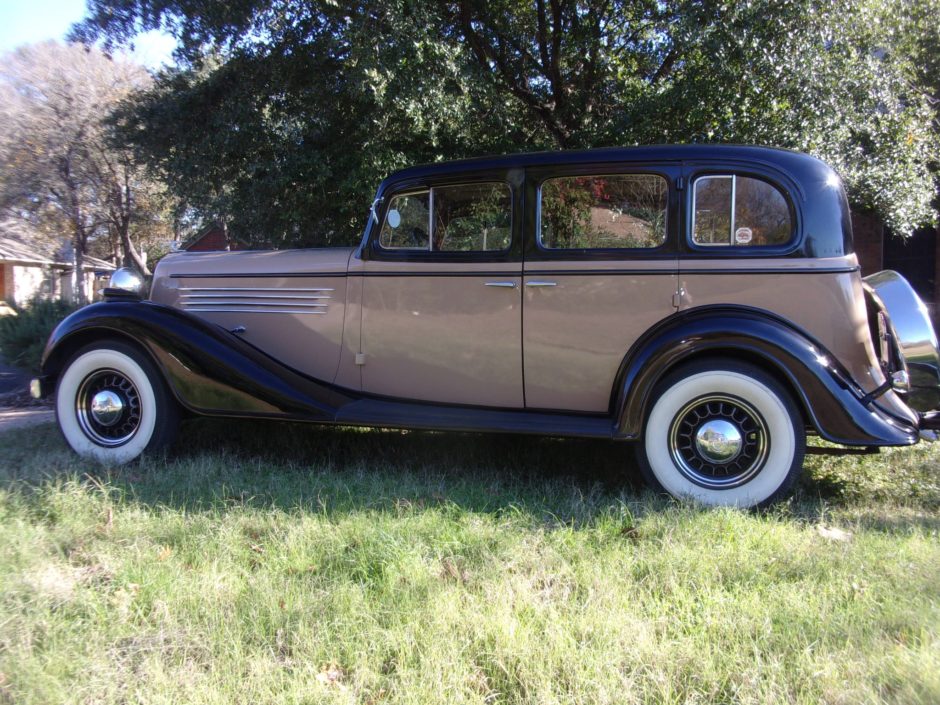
[
  {"x": 528, "y": 338},
  {"x": 453, "y": 339}
]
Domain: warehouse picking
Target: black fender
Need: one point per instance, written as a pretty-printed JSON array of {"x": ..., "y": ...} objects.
[
  {"x": 834, "y": 404},
  {"x": 208, "y": 369}
]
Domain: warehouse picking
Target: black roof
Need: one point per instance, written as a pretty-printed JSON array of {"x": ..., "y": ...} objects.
[{"x": 787, "y": 160}]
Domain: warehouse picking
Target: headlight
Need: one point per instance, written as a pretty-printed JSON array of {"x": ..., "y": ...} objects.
[{"x": 126, "y": 279}]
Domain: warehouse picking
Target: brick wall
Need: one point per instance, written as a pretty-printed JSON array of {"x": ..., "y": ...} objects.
[
  {"x": 917, "y": 258},
  {"x": 212, "y": 240}
]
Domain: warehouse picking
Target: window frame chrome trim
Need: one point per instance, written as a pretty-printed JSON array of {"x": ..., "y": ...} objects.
[
  {"x": 792, "y": 242},
  {"x": 410, "y": 192},
  {"x": 734, "y": 185}
]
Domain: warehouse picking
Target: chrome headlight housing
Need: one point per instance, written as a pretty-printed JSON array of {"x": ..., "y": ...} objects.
[{"x": 127, "y": 279}]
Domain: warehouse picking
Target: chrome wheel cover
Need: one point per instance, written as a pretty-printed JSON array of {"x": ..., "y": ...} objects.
[
  {"x": 718, "y": 441},
  {"x": 107, "y": 406}
]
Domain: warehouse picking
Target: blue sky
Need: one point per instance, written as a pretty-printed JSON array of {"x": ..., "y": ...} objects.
[{"x": 25, "y": 21}]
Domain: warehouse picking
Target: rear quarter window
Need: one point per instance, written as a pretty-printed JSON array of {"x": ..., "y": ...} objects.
[{"x": 739, "y": 211}]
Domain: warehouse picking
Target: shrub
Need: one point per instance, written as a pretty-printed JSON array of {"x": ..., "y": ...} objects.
[{"x": 23, "y": 333}]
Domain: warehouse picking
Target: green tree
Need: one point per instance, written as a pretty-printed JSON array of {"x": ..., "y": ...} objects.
[{"x": 284, "y": 114}]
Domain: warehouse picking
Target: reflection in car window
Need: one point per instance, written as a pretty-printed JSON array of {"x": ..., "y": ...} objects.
[
  {"x": 597, "y": 212},
  {"x": 472, "y": 218},
  {"x": 406, "y": 222},
  {"x": 739, "y": 211},
  {"x": 467, "y": 218}
]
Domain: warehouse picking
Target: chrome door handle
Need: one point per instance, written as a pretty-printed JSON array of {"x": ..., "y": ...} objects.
[
  {"x": 540, "y": 284},
  {"x": 502, "y": 285}
]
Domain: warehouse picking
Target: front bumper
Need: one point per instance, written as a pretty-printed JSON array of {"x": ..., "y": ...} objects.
[{"x": 40, "y": 387}]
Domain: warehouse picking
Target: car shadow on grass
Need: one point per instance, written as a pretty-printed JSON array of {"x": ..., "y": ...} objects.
[
  {"x": 341, "y": 468},
  {"x": 219, "y": 464}
]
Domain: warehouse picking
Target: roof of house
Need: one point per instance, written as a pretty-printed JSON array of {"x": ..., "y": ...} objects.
[
  {"x": 89, "y": 262},
  {"x": 212, "y": 237},
  {"x": 14, "y": 251},
  {"x": 194, "y": 238}
]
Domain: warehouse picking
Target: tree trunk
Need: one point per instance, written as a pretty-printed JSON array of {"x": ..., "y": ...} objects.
[
  {"x": 131, "y": 255},
  {"x": 78, "y": 274}
]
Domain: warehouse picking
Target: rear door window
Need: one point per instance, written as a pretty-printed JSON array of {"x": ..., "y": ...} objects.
[{"x": 612, "y": 211}]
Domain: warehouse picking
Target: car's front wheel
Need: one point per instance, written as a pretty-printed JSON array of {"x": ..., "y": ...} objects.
[
  {"x": 113, "y": 405},
  {"x": 723, "y": 433}
]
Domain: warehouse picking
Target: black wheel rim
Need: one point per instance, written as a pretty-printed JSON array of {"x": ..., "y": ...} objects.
[
  {"x": 730, "y": 461},
  {"x": 109, "y": 426}
]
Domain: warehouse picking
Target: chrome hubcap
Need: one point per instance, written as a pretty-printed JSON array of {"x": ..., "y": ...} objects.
[
  {"x": 107, "y": 407},
  {"x": 718, "y": 441}
]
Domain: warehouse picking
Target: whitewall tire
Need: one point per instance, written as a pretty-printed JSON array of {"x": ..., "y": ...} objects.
[
  {"x": 112, "y": 405},
  {"x": 723, "y": 433}
]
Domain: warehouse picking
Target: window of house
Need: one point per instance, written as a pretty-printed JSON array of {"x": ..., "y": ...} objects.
[
  {"x": 603, "y": 212},
  {"x": 466, "y": 218},
  {"x": 739, "y": 211}
]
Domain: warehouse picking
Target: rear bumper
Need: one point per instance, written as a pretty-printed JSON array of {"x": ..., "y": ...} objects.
[{"x": 906, "y": 342}]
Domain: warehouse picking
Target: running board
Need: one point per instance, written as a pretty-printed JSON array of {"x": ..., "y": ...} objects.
[{"x": 390, "y": 414}]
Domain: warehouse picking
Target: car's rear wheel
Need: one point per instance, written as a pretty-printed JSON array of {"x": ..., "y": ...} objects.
[
  {"x": 113, "y": 405},
  {"x": 723, "y": 433}
]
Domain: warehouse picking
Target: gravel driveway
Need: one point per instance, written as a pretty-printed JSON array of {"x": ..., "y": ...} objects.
[
  {"x": 24, "y": 417},
  {"x": 12, "y": 379}
]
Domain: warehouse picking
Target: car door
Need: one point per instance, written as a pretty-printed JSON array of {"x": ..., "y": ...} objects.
[
  {"x": 441, "y": 293},
  {"x": 600, "y": 269}
]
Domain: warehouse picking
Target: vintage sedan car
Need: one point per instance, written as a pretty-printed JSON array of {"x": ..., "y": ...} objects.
[{"x": 703, "y": 302}]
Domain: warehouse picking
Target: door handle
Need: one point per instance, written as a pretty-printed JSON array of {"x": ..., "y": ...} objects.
[
  {"x": 502, "y": 285},
  {"x": 537, "y": 283}
]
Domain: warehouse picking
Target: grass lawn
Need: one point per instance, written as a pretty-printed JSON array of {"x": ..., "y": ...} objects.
[{"x": 288, "y": 564}]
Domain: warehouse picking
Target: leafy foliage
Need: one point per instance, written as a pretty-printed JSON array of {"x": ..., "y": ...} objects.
[
  {"x": 285, "y": 114},
  {"x": 23, "y": 335}
]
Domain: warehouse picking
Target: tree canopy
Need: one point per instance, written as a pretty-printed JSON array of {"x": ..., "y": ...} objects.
[{"x": 283, "y": 115}]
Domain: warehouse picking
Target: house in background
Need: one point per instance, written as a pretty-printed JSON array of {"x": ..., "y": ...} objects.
[
  {"x": 95, "y": 275},
  {"x": 26, "y": 273},
  {"x": 212, "y": 238}
]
